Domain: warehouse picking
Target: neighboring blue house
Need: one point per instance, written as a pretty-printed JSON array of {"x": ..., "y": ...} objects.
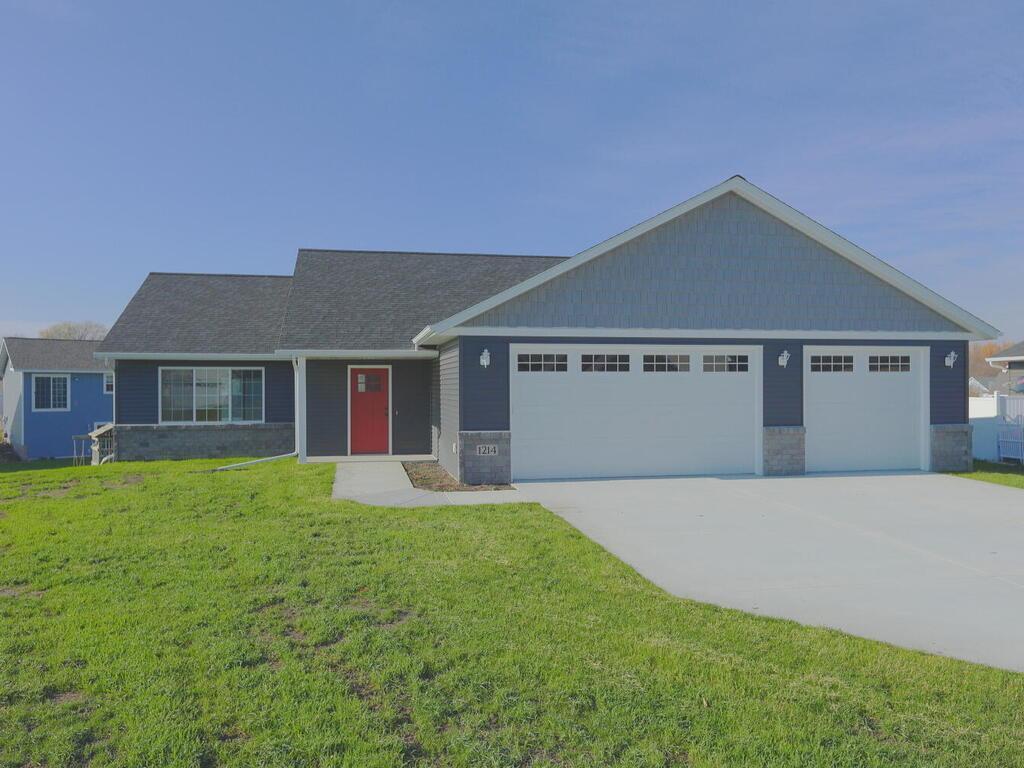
[{"x": 53, "y": 389}]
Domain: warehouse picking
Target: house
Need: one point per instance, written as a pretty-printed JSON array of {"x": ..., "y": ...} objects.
[
  {"x": 1010, "y": 363},
  {"x": 53, "y": 389},
  {"x": 979, "y": 387},
  {"x": 730, "y": 334}
]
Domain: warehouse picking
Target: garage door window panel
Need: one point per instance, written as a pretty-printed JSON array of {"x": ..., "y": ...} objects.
[
  {"x": 542, "y": 363},
  {"x": 726, "y": 363},
  {"x": 604, "y": 363},
  {"x": 666, "y": 363},
  {"x": 889, "y": 364},
  {"x": 831, "y": 363}
]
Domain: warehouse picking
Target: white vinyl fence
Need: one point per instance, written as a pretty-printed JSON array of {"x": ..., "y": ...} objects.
[{"x": 998, "y": 423}]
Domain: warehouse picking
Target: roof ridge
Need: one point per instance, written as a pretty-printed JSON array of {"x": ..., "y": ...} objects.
[
  {"x": 432, "y": 253},
  {"x": 221, "y": 274},
  {"x": 43, "y": 338}
]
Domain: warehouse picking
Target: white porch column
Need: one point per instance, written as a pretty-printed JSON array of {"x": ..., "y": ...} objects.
[{"x": 299, "y": 363}]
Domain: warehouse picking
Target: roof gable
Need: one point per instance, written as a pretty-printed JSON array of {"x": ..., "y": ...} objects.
[
  {"x": 1014, "y": 353},
  {"x": 181, "y": 313},
  {"x": 949, "y": 316},
  {"x": 27, "y": 354}
]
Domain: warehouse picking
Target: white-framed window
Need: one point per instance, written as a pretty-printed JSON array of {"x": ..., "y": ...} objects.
[
  {"x": 666, "y": 363},
  {"x": 51, "y": 392},
  {"x": 604, "y": 363},
  {"x": 726, "y": 363},
  {"x": 211, "y": 395},
  {"x": 108, "y": 382},
  {"x": 889, "y": 363},
  {"x": 831, "y": 363},
  {"x": 531, "y": 362}
]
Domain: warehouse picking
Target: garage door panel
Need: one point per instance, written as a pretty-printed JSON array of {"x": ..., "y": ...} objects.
[
  {"x": 635, "y": 423},
  {"x": 863, "y": 419}
]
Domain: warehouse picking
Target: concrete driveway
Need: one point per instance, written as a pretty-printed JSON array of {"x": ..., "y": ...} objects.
[{"x": 924, "y": 561}]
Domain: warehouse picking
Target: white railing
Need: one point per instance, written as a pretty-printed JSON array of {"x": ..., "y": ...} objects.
[
  {"x": 998, "y": 423},
  {"x": 1010, "y": 443}
]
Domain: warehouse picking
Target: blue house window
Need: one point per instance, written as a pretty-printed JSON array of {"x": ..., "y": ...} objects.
[
  {"x": 211, "y": 395},
  {"x": 108, "y": 383},
  {"x": 51, "y": 392}
]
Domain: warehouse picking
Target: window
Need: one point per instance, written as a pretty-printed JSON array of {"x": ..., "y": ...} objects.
[
  {"x": 368, "y": 382},
  {"x": 211, "y": 395},
  {"x": 666, "y": 363},
  {"x": 108, "y": 383},
  {"x": 543, "y": 363},
  {"x": 831, "y": 363},
  {"x": 889, "y": 363},
  {"x": 51, "y": 393},
  {"x": 726, "y": 363},
  {"x": 605, "y": 363}
]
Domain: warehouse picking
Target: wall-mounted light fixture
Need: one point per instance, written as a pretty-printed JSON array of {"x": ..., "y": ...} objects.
[
  {"x": 485, "y": 359},
  {"x": 951, "y": 359},
  {"x": 784, "y": 358}
]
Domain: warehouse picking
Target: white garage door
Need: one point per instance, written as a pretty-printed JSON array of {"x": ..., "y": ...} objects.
[
  {"x": 630, "y": 410},
  {"x": 865, "y": 408}
]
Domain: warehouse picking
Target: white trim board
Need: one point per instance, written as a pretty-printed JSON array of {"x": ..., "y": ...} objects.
[
  {"x": 280, "y": 354},
  {"x": 771, "y": 205},
  {"x": 360, "y": 354},
  {"x": 704, "y": 333},
  {"x": 185, "y": 356}
]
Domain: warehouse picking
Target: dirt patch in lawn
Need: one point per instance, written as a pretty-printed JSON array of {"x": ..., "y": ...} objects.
[
  {"x": 431, "y": 476},
  {"x": 20, "y": 591},
  {"x": 66, "y": 697},
  {"x": 123, "y": 482}
]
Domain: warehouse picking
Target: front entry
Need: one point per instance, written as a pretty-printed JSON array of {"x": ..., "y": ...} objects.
[{"x": 369, "y": 410}]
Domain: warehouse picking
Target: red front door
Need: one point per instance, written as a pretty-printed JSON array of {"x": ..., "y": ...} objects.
[{"x": 368, "y": 403}]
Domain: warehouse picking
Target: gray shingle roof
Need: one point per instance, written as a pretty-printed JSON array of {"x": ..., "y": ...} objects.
[
  {"x": 1017, "y": 350},
  {"x": 381, "y": 300},
  {"x": 52, "y": 354},
  {"x": 199, "y": 313}
]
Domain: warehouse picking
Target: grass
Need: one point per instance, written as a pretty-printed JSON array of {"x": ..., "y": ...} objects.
[
  {"x": 991, "y": 472},
  {"x": 158, "y": 615}
]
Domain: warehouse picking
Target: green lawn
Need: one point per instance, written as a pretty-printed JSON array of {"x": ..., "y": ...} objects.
[
  {"x": 156, "y": 615},
  {"x": 990, "y": 472}
]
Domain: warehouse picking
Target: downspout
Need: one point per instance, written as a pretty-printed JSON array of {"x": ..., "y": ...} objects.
[{"x": 255, "y": 461}]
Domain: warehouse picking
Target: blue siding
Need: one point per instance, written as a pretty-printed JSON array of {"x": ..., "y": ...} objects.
[
  {"x": 485, "y": 405},
  {"x": 138, "y": 388},
  {"x": 484, "y": 395},
  {"x": 48, "y": 433}
]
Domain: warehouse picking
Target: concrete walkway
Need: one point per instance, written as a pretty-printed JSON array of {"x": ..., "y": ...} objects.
[{"x": 385, "y": 484}]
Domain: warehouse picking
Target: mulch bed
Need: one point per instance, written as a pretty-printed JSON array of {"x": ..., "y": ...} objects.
[{"x": 431, "y": 476}]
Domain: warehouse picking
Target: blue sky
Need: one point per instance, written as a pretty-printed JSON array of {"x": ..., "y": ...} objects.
[{"x": 221, "y": 137}]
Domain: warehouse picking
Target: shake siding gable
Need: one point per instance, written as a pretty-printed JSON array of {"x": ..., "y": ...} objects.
[{"x": 724, "y": 265}]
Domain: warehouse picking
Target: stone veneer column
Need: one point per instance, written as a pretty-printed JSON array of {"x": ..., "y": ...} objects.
[
  {"x": 487, "y": 467},
  {"x": 952, "y": 450},
  {"x": 784, "y": 452}
]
